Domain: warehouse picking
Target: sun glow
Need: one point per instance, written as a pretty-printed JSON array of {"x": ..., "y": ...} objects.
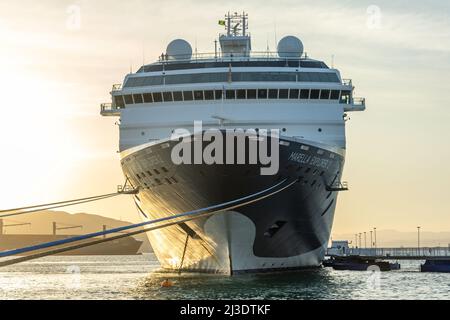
[{"x": 34, "y": 148}]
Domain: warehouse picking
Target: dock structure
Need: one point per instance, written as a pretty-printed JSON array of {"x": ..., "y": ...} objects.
[{"x": 435, "y": 253}]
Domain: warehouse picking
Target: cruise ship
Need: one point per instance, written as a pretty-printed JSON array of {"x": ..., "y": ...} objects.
[{"x": 292, "y": 107}]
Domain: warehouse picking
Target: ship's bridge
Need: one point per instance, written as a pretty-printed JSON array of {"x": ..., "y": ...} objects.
[{"x": 233, "y": 72}]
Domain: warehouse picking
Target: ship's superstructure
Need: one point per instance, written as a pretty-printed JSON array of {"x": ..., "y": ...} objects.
[{"x": 236, "y": 90}]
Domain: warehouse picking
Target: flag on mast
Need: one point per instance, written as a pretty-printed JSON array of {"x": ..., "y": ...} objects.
[{"x": 221, "y": 22}]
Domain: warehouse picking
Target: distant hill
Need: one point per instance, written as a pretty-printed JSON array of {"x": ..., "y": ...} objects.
[
  {"x": 393, "y": 238},
  {"x": 42, "y": 223}
]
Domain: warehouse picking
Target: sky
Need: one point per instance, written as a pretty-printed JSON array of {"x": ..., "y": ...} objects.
[{"x": 59, "y": 59}]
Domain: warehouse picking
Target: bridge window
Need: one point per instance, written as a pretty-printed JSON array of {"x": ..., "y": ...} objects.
[
  {"x": 304, "y": 94},
  {"x": 198, "y": 95},
  {"x": 148, "y": 97},
  {"x": 230, "y": 94},
  {"x": 241, "y": 94},
  {"x": 325, "y": 94},
  {"x": 235, "y": 77},
  {"x": 293, "y": 94},
  {"x": 251, "y": 94},
  {"x": 128, "y": 99},
  {"x": 137, "y": 98},
  {"x": 314, "y": 94},
  {"x": 178, "y": 96},
  {"x": 118, "y": 100},
  {"x": 262, "y": 93},
  {"x": 273, "y": 93},
  {"x": 157, "y": 97},
  {"x": 188, "y": 96},
  {"x": 209, "y": 95},
  {"x": 218, "y": 94},
  {"x": 167, "y": 96},
  {"x": 283, "y": 94},
  {"x": 334, "y": 94}
]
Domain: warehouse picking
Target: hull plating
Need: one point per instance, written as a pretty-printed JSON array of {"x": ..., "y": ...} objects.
[{"x": 287, "y": 231}]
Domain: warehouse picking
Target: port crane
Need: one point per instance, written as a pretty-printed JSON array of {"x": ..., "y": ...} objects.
[
  {"x": 14, "y": 224},
  {"x": 64, "y": 227}
]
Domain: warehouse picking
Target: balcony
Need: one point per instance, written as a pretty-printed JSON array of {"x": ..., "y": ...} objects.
[
  {"x": 107, "y": 109},
  {"x": 347, "y": 82},
  {"x": 358, "y": 104}
]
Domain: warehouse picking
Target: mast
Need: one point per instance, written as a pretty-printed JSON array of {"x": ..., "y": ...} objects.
[{"x": 236, "y": 42}]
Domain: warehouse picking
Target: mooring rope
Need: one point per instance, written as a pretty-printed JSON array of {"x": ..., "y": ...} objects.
[
  {"x": 59, "y": 204},
  {"x": 204, "y": 211}
]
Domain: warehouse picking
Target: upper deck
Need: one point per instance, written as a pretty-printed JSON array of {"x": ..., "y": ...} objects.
[
  {"x": 218, "y": 60},
  {"x": 231, "y": 72}
]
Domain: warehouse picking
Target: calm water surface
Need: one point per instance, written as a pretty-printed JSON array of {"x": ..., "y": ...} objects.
[{"x": 139, "y": 277}]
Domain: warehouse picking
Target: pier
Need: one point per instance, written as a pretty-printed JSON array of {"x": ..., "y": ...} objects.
[{"x": 436, "y": 253}]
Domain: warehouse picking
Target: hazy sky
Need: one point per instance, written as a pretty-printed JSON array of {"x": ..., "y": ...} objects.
[{"x": 58, "y": 60}]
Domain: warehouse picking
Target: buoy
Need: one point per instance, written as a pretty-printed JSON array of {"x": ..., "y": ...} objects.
[{"x": 166, "y": 283}]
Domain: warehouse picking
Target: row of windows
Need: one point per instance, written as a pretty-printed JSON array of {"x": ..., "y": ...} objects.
[
  {"x": 169, "y": 96},
  {"x": 296, "y": 63},
  {"x": 235, "y": 77}
]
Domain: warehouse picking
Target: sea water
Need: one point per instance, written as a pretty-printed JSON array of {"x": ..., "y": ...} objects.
[{"x": 139, "y": 277}]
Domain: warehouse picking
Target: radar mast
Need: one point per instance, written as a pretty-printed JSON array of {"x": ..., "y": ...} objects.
[{"x": 236, "y": 42}]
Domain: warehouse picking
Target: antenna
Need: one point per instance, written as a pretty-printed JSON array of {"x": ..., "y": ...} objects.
[
  {"x": 332, "y": 61},
  {"x": 143, "y": 53}
]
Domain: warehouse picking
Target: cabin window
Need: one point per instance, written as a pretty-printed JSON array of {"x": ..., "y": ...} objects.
[
  {"x": 198, "y": 95},
  {"x": 178, "y": 96},
  {"x": 128, "y": 99},
  {"x": 273, "y": 93},
  {"x": 230, "y": 94},
  {"x": 314, "y": 94},
  {"x": 118, "y": 100},
  {"x": 262, "y": 93},
  {"x": 167, "y": 96},
  {"x": 251, "y": 94},
  {"x": 148, "y": 97},
  {"x": 157, "y": 97},
  {"x": 293, "y": 94},
  {"x": 325, "y": 94},
  {"x": 188, "y": 96},
  {"x": 209, "y": 95},
  {"x": 334, "y": 94},
  {"x": 284, "y": 94},
  {"x": 304, "y": 94},
  {"x": 241, "y": 94}
]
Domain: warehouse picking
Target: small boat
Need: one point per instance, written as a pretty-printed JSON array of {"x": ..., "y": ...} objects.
[
  {"x": 436, "y": 266},
  {"x": 395, "y": 266},
  {"x": 358, "y": 264}
]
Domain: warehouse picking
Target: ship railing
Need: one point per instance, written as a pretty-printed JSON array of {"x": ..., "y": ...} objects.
[
  {"x": 347, "y": 82},
  {"x": 108, "y": 109},
  {"x": 402, "y": 252},
  {"x": 219, "y": 56},
  {"x": 357, "y": 101},
  {"x": 117, "y": 87}
]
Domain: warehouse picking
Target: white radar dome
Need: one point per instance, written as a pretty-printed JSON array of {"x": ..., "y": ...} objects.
[
  {"x": 290, "y": 47},
  {"x": 179, "y": 49}
]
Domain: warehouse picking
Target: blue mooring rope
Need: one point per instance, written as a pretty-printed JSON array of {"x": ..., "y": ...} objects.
[{"x": 114, "y": 230}]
